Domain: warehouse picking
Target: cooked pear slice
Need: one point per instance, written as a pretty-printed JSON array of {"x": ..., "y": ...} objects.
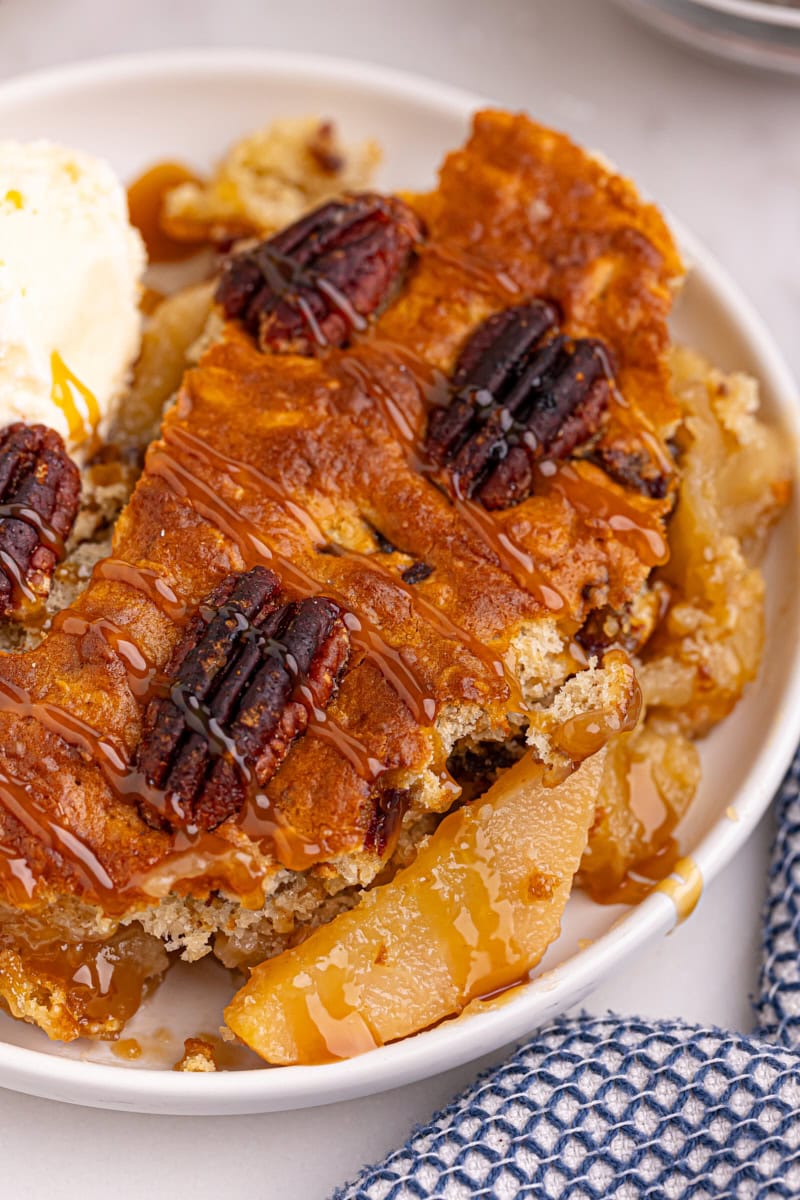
[{"x": 473, "y": 913}]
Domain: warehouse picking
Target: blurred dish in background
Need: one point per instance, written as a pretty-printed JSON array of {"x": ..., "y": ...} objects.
[{"x": 757, "y": 33}]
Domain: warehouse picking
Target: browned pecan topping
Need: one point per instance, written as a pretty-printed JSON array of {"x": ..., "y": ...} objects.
[
  {"x": 522, "y": 391},
  {"x": 313, "y": 284},
  {"x": 242, "y": 680},
  {"x": 40, "y": 489}
]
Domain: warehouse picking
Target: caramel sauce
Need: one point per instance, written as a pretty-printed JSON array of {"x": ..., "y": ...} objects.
[
  {"x": 344, "y": 1036},
  {"x": 145, "y": 204},
  {"x": 149, "y": 300},
  {"x": 492, "y": 1001},
  {"x": 476, "y": 931},
  {"x": 22, "y": 592},
  {"x": 18, "y": 801},
  {"x": 141, "y": 674},
  {"x": 77, "y": 403},
  {"x": 658, "y": 825},
  {"x": 512, "y": 557},
  {"x": 128, "y": 1049},
  {"x": 249, "y": 476},
  {"x": 207, "y": 858},
  {"x": 487, "y": 275},
  {"x": 604, "y": 507},
  {"x": 205, "y": 500},
  {"x": 685, "y": 890},
  {"x": 124, "y": 782},
  {"x": 102, "y": 981},
  {"x": 47, "y": 534},
  {"x": 24, "y": 596},
  {"x": 647, "y": 804},
  {"x": 145, "y": 580},
  {"x": 641, "y": 879},
  {"x": 286, "y": 277},
  {"x": 585, "y": 734}
]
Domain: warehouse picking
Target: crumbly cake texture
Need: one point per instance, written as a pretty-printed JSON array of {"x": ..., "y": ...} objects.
[
  {"x": 198, "y": 1057},
  {"x": 268, "y": 179},
  {"x": 302, "y": 452}
]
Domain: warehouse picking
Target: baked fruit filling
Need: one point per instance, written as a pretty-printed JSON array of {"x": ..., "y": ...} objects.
[{"x": 439, "y": 560}]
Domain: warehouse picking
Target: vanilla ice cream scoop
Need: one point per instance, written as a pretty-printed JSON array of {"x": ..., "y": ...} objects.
[{"x": 70, "y": 271}]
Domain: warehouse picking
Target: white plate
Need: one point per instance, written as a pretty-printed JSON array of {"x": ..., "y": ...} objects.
[
  {"x": 753, "y": 33},
  {"x": 190, "y": 106}
]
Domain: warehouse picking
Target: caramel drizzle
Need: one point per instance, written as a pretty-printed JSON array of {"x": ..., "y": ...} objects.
[
  {"x": 64, "y": 385},
  {"x": 253, "y": 549},
  {"x": 206, "y": 851},
  {"x": 78, "y": 733},
  {"x": 488, "y": 275},
  {"x": 146, "y": 580},
  {"x": 140, "y": 673},
  {"x": 684, "y": 888},
  {"x": 47, "y": 535},
  {"x": 628, "y": 523},
  {"x": 285, "y": 276},
  {"x": 512, "y": 557},
  {"x": 21, "y": 590},
  {"x": 18, "y": 801},
  {"x": 238, "y": 471}
]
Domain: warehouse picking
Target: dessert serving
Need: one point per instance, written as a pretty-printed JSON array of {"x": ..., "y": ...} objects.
[{"x": 372, "y": 602}]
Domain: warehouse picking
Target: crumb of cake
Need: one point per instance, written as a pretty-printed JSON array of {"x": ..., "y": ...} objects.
[
  {"x": 268, "y": 179},
  {"x": 198, "y": 1056}
]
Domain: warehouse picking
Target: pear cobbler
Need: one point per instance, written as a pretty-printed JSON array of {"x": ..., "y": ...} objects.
[{"x": 362, "y": 595}]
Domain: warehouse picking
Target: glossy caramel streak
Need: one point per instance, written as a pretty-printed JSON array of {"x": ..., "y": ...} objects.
[{"x": 424, "y": 609}]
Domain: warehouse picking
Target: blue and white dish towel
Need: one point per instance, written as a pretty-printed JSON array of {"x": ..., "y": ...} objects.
[{"x": 617, "y": 1108}]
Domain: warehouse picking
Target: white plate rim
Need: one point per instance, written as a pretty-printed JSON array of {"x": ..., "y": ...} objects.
[{"x": 159, "y": 1091}]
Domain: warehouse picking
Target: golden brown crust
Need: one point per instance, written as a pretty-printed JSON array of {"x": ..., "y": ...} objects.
[{"x": 276, "y": 459}]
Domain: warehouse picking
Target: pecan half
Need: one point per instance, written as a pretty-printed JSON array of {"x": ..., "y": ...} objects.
[
  {"x": 522, "y": 391},
  {"x": 234, "y": 704},
  {"x": 40, "y": 489},
  {"x": 314, "y": 283}
]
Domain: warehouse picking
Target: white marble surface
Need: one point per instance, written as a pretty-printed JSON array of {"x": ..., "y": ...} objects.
[{"x": 718, "y": 146}]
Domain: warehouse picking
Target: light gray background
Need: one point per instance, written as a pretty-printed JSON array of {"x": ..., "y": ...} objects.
[{"x": 718, "y": 146}]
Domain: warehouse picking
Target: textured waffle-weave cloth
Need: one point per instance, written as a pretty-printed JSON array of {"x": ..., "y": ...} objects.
[{"x": 618, "y": 1108}]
